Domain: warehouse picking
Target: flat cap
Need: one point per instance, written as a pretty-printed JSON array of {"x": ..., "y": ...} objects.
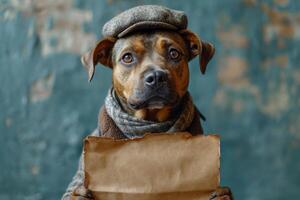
[{"x": 144, "y": 18}]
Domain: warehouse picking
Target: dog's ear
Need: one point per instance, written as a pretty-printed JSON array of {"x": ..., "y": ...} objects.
[
  {"x": 101, "y": 53},
  {"x": 208, "y": 51},
  {"x": 205, "y": 50}
]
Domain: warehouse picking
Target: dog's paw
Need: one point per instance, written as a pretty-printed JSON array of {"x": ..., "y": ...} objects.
[
  {"x": 222, "y": 193},
  {"x": 81, "y": 193},
  {"x": 80, "y": 198}
]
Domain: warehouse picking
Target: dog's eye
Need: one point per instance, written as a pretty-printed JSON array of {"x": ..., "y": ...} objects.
[
  {"x": 174, "y": 54},
  {"x": 127, "y": 58}
]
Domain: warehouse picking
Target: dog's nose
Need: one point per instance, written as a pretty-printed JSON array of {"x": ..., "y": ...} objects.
[{"x": 154, "y": 78}]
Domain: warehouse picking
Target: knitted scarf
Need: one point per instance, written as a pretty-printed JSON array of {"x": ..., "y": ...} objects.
[{"x": 133, "y": 127}]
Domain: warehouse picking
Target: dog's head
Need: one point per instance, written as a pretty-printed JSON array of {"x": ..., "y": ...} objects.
[{"x": 150, "y": 69}]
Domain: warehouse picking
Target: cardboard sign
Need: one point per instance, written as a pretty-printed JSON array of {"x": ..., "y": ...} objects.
[{"x": 158, "y": 166}]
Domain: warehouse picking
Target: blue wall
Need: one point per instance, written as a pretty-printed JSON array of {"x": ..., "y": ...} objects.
[{"x": 250, "y": 94}]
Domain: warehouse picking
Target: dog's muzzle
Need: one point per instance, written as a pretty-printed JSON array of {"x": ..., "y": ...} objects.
[{"x": 156, "y": 91}]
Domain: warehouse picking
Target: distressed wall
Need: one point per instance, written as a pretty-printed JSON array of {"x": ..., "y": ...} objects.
[{"x": 250, "y": 94}]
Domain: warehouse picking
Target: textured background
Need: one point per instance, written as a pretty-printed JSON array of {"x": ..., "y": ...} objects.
[{"x": 249, "y": 95}]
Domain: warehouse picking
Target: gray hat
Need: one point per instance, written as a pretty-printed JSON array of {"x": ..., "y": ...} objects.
[{"x": 144, "y": 17}]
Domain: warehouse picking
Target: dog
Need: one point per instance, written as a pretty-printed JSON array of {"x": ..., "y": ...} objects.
[{"x": 150, "y": 78}]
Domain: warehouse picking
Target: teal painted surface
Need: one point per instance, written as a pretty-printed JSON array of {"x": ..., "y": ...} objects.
[{"x": 249, "y": 95}]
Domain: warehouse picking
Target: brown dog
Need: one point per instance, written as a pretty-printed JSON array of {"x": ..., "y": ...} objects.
[
  {"x": 151, "y": 74},
  {"x": 150, "y": 70}
]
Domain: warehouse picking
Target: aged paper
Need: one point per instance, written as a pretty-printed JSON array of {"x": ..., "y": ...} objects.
[{"x": 156, "y": 167}]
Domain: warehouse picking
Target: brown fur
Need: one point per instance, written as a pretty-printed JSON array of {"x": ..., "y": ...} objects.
[
  {"x": 125, "y": 81},
  {"x": 150, "y": 50}
]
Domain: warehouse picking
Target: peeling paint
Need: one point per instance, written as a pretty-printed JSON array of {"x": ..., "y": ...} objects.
[
  {"x": 277, "y": 101},
  {"x": 232, "y": 71},
  {"x": 41, "y": 89},
  {"x": 250, "y": 2},
  {"x": 282, "y": 3},
  {"x": 281, "y": 24},
  {"x": 223, "y": 101},
  {"x": 60, "y": 21},
  {"x": 277, "y": 61},
  {"x": 234, "y": 37}
]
